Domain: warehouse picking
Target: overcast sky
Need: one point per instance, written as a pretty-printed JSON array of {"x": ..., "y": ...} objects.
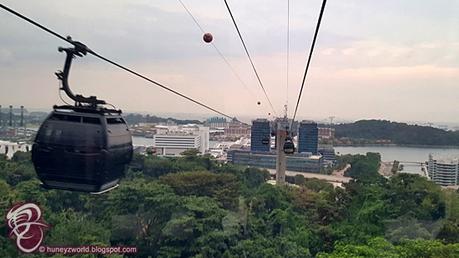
[{"x": 392, "y": 59}]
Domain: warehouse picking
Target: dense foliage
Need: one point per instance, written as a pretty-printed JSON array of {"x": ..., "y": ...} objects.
[
  {"x": 194, "y": 207},
  {"x": 363, "y": 167},
  {"x": 398, "y": 133}
]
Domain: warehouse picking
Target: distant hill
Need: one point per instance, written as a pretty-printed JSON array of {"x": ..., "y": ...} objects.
[
  {"x": 397, "y": 133},
  {"x": 138, "y": 118}
]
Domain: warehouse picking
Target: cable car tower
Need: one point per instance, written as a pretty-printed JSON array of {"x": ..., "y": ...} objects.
[{"x": 284, "y": 146}]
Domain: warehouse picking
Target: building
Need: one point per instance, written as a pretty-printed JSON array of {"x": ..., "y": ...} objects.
[
  {"x": 326, "y": 133},
  {"x": 328, "y": 153},
  {"x": 173, "y": 140},
  {"x": 260, "y": 137},
  {"x": 308, "y": 138},
  {"x": 174, "y": 144},
  {"x": 297, "y": 162},
  {"x": 237, "y": 130},
  {"x": 9, "y": 148},
  {"x": 443, "y": 172},
  {"x": 217, "y": 122},
  {"x": 205, "y": 140}
]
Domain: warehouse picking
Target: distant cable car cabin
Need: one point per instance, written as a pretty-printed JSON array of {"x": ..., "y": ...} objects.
[
  {"x": 289, "y": 146},
  {"x": 82, "y": 147},
  {"x": 265, "y": 140}
]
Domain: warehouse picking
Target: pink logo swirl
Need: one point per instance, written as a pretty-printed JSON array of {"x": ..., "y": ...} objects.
[{"x": 25, "y": 222}]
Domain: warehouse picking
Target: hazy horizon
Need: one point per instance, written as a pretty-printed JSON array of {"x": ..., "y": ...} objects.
[{"x": 248, "y": 118}]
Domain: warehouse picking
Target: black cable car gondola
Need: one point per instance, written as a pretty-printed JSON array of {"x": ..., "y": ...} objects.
[
  {"x": 289, "y": 146},
  {"x": 265, "y": 140},
  {"x": 84, "y": 147}
]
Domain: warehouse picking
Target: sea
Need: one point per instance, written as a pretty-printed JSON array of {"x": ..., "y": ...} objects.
[
  {"x": 410, "y": 157},
  {"x": 407, "y": 154}
]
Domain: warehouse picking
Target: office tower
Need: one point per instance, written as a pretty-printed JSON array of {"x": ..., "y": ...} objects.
[
  {"x": 22, "y": 116},
  {"x": 260, "y": 135},
  {"x": 11, "y": 116},
  {"x": 308, "y": 137}
]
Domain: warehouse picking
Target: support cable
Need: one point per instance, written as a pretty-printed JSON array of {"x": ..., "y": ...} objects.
[
  {"x": 250, "y": 58},
  {"x": 218, "y": 51},
  {"x": 288, "y": 50},
  {"x": 78, "y": 44},
  {"x": 309, "y": 58}
]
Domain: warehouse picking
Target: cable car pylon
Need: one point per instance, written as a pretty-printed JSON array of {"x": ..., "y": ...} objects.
[{"x": 284, "y": 147}]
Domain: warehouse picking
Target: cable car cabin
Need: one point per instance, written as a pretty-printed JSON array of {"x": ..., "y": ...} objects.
[
  {"x": 265, "y": 140},
  {"x": 82, "y": 149},
  {"x": 289, "y": 146}
]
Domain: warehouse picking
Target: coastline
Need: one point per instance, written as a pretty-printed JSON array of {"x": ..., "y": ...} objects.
[{"x": 399, "y": 145}]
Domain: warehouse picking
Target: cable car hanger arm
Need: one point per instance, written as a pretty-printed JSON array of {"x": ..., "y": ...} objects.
[{"x": 79, "y": 50}]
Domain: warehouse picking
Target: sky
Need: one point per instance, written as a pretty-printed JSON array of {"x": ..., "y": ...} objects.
[{"x": 396, "y": 60}]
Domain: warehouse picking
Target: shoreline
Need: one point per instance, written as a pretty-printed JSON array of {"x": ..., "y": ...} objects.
[{"x": 399, "y": 145}]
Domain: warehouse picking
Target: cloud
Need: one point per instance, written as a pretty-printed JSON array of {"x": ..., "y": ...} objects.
[
  {"x": 6, "y": 56},
  {"x": 366, "y": 52},
  {"x": 399, "y": 73},
  {"x": 374, "y": 53}
]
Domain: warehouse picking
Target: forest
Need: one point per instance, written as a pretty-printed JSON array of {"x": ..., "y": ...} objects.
[
  {"x": 192, "y": 206},
  {"x": 397, "y": 133}
]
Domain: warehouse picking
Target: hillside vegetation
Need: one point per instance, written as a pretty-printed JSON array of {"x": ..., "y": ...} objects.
[
  {"x": 397, "y": 133},
  {"x": 194, "y": 207}
]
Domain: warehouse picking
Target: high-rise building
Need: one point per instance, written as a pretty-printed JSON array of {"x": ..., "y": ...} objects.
[
  {"x": 204, "y": 133},
  {"x": 308, "y": 137},
  {"x": 260, "y": 137},
  {"x": 21, "y": 124},
  {"x": 443, "y": 172},
  {"x": 11, "y": 116}
]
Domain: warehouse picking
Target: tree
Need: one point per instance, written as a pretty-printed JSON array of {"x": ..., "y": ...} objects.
[
  {"x": 70, "y": 228},
  {"x": 377, "y": 247},
  {"x": 223, "y": 187},
  {"x": 299, "y": 179},
  {"x": 190, "y": 154},
  {"x": 415, "y": 195},
  {"x": 193, "y": 206},
  {"x": 254, "y": 177}
]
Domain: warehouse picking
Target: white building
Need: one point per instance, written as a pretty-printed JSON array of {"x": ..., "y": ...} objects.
[
  {"x": 175, "y": 144},
  {"x": 9, "y": 148},
  {"x": 204, "y": 133},
  {"x": 177, "y": 139},
  {"x": 443, "y": 172}
]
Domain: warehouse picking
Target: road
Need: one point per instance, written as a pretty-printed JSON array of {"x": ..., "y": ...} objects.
[
  {"x": 330, "y": 178},
  {"x": 340, "y": 173}
]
